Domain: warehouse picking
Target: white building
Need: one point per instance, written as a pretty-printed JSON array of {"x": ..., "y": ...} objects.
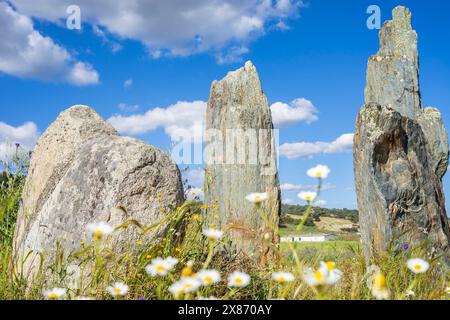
[{"x": 310, "y": 238}]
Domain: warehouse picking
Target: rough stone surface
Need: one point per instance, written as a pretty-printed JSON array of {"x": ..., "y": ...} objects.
[
  {"x": 400, "y": 150},
  {"x": 238, "y": 103},
  {"x": 94, "y": 173}
]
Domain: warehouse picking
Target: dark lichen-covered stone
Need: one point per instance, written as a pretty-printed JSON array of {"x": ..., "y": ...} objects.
[{"x": 400, "y": 151}]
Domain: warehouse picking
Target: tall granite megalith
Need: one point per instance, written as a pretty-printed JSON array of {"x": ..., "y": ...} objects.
[
  {"x": 400, "y": 150},
  {"x": 241, "y": 161}
]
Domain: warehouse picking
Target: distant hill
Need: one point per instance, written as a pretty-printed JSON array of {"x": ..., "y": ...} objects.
[
  {"x": 320, "y": 217},
  {"x": 348, "y": 214}
]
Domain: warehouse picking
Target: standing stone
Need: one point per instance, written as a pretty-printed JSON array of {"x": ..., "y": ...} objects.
[
  {"x": 83, "y": 172},
  {"x": 400, "y": 150},
  {"x": 240, "y": 135}
]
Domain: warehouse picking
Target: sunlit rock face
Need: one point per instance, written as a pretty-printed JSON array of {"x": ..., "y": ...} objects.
[
  {"x": 400, "y": 151},
  {"x": 241, "y": 160},
  {"x": 83, "y": 172}
]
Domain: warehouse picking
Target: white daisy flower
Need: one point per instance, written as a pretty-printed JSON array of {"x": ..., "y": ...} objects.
[
  {"x": 160, "y": 266},
  {"x": 283, "y": 277},
  {"x": 55, "y": 293},
  {"x": 238, "y": 279},
  {"x": 319, "y": 171},
  {"x": 177, "y": 289},
  {"x": 307, "y": 196},
  {"x": 379, "y": 287},
  {"x": 208, "y": 277},
  {"x": 315, "y": 278},
  {"x": 190, "y": 284},
  {"x": 118, "y": 289},
  {"x": 213, "y": 234},
  {"x": 98, "y": 230},
  {"x": 417, "y": 265},
  {"x": 333, "y": 274},
  {"x": 447, "y": 290},
  {"x": 257, "y": 197}
]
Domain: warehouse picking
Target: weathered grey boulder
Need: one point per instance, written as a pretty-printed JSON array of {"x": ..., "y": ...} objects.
[
  {"x": 243, "y": 160},
  {"x": 400, "y": 150},
  {"x": 100, "y": 175}
]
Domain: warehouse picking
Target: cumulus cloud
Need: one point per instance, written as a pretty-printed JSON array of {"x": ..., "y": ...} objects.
[
  {"x": 321, "y": 203},
  {"x": 128, "y": 108},
  {"x": 298, "y": 110},
  {"x": 185, "y": 120},
  {"x": 181, "y": 121},
  {"x": 195, "y": 177},
  {"x": 288, "y": 201},
  {"x": 128, "y": 83},
  {"x": 344, "y": 143},
  {"x": 26, "y": 53},
  {"x": 289, "y": 187},
  {"x": 26, "y": 135},
  {"x": 176, "y": 27}
]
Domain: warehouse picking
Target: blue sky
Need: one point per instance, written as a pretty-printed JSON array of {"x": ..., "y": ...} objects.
[{"x": 317, "y": 51}]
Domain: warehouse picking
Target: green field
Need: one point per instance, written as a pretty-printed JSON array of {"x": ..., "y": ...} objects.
[{"x": 329, "y": 250}]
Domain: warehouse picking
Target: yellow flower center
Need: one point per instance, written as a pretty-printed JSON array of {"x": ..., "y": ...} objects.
[
  {"x": 331, "y": 265},
  {"x": 281, "y": 279},
  {"x": 308, "y": 198},
  {"x": 418, "y": 267},
  {"x": 379, "y": 282},
  {"x": 195, "y": 216},
  {"x": 186, "y": 272},
  {"x": 258, "y": 199},
  {"x": 52, "y": 296},
  {"x": 216, "y": 217},
  {"x": 188, "y": 285},
  {"x": 98, "y": 234},
  {"x": 117, "y": 290},
  {"x": 318, "y": 174},
  {"x": 160, "y": 268},
  {"x": 208, "y": 279},
  {"x": 318, "y": 276},
  {"x": 238, "y": 281}
]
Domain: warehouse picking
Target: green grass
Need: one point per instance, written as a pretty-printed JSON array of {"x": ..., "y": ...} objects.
[{"x": 105, "y": 266}]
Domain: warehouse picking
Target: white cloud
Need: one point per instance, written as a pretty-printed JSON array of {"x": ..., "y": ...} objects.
[
  {"x": 288, "y": 201},
  {"x": 26, "y": 135},
  {"x": 128, "y": 83},
  {"x": 344, "y": 143},
  {"x": 176, "y": 27},
  {"x": 289, "y": 187},
  {"x": 195, "y": 177},
  {"x": 185, "y": 120},
  {"x": 181, "y": 121},
  {"x": 26, "y": 53},
  {"x": 128, "y": 108},
  {"x": 232, "y": 55},
  {"x": 115, "y": 46},
  {"x": 321, "y": 203},
  {"x": 298, "y": 110},
  {"x": 195, "y": 193}
]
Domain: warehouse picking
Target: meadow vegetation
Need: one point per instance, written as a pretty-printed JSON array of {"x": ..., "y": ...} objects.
[{"x": 202, "y": 264}]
